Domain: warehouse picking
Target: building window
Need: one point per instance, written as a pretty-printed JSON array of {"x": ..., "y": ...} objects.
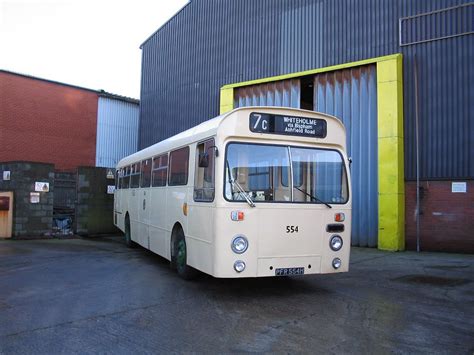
[{"x": 179, "y": 166}]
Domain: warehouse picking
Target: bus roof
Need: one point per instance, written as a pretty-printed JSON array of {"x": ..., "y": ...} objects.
[{"x": 208, "y": 129}]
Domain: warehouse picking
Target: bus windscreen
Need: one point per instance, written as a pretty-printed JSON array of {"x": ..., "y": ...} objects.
[{"x": 270, "y": 173}]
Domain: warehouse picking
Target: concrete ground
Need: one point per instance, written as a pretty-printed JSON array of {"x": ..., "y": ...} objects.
[{"x": 95, "y": 295}]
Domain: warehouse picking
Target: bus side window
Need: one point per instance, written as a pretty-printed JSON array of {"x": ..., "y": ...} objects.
[
  {"x": 135, "y": 176},
  {"x": 179, "y": 166},
  {"x": 146, "y": 173},
  {"x": 160, "y": 170},
  {"x": 126, "y": 178},
  {"x": 204, "y": 176}
]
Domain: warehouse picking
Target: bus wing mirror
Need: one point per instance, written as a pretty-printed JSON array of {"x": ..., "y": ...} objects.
[
  {"x": 203, "y": 160},
  {"x": 215, "y": 150}
]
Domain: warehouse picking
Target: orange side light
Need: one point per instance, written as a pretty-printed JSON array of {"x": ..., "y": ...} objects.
[
  {"x": 237, "y": 216},
  {"x": 339, "y": 217}
]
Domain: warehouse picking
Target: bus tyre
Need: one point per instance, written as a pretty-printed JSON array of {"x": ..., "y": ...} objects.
[
  {"x": 180, "y": 257},
  {"x": 128, "y": 234}
]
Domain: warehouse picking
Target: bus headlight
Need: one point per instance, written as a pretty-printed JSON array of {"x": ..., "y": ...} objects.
[
  {"x": 335, "y": 243},
  {"x": 336, "y": 263},
  {"x": 239, "y": 244},
  {"x": 239, "y": 266}
]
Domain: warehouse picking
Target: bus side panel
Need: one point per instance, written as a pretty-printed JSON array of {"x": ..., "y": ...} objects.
[
  {"x": 159, "y": 233},
  {"x": 144, "y": 216},
  {"x": 125, "y": 201},
  {"x": 176, "y": 197},
  {"x": 134, "y": 198}
]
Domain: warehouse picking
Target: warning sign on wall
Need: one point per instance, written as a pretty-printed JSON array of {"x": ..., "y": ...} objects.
[
  {"x": 42, "y": 186},
  {"x": 34, "y": 197}
]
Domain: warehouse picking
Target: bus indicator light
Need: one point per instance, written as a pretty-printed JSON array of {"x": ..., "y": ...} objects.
[
  {"x": 339, "y": 217},
  {"x": 237, "y": 216}
]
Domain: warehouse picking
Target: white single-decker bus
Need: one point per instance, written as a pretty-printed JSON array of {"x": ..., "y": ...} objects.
[{"x": 258, "y": 191}]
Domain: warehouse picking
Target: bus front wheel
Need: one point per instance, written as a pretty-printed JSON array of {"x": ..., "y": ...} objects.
[
  {"x": 181, "y": 256},
  {"x": 128, "y": 234}
]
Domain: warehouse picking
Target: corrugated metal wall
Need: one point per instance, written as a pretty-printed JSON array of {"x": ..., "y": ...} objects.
[
  {"x": 351, "y": 95},
  {"x": 211, "y": 43},
  {"x": 117, "y": 131},
  {"x": 446, "y": 74},
  {"x": 285, "y": 93}
]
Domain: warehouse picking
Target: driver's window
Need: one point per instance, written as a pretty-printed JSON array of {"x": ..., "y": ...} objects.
[{"x": 204, "y": 174}]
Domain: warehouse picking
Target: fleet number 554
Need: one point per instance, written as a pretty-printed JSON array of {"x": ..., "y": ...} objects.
[{"x": 291, "y": 229}]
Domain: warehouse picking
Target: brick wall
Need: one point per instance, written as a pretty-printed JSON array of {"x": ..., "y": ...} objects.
[
  {"x": 447, "y": 218},
  {"x": 46, "y": 122}
]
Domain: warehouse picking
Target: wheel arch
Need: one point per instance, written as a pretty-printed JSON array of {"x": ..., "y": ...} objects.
[{"x": 176, "y": 227}]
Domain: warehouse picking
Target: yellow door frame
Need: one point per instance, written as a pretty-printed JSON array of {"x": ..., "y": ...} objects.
[{"x": 391, "y": 194}]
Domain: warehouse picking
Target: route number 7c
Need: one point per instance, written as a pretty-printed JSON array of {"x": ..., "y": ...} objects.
[{"x": 260, "y": 121}]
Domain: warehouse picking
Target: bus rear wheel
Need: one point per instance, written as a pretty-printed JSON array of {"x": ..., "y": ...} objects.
[
  {"x": 181, "y": 256},
  {"x": 128, "y": 234}
]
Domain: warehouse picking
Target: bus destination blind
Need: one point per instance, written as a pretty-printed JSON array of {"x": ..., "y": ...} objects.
[{"x": 288, "y": 125}]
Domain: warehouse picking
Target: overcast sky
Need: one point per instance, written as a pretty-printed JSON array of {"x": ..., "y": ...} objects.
[{"x": 90, "y": 43}]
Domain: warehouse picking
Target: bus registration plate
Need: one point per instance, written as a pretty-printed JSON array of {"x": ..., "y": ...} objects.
[{"x": 287, "y": 271}]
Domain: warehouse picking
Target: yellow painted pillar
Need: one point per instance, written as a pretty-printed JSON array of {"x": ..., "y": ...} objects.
[
  {"x": 390, "y": 154},
  {"x": 227, "y": 100}
]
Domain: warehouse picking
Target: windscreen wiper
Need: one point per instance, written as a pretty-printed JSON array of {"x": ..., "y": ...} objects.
[
  {"x": 313, "y": 197},
  {"x": 233, "y": 183}
]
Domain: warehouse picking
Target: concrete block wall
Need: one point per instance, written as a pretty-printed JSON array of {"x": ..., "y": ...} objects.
[
  {"x": 94, "y": 208},
  {"x": 29, "y": 219}
]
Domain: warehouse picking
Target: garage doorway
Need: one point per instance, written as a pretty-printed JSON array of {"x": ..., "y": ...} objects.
[{"x": 350, "y": 95}]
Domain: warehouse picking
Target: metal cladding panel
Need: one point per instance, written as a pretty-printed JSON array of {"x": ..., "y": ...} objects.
[
  {"x": 351, "y": 95},
  {"x": 117, "y": 131},
  {"x": 285, "y": 93},
  {"x": 446, "y": 95},
  {"x": 211, "y": 43}
]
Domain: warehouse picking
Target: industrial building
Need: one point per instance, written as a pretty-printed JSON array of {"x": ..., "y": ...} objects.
[
  {"x": 60, "y": 143},
  {"x": 398, "y": 73},
  {"x": 65, "y": 125}
]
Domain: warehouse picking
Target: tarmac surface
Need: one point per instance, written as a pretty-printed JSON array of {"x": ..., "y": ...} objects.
[{"x": 95, "y": 295}]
